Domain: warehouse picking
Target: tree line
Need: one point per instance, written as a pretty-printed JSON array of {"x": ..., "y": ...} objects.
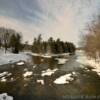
[
  {"x": 52, "y": 46},
  {"x": 11, "y": 39}
]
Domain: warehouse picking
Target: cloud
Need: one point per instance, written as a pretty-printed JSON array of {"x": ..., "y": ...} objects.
[
  {"x": 28, "y": 30},
  {"x": 58, "y": 18}
]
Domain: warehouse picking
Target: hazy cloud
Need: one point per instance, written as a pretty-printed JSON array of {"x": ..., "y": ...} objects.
[{"x": 58, "y": 18}]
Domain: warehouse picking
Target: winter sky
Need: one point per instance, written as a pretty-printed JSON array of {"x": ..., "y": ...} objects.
[{"x": 64, "y": 19}]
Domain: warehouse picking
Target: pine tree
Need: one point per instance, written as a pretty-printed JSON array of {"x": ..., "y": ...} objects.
[
  {"x": 52, "y": 46},
  {"x": 35, "y": 46},
  {"x": 15, "y": 43}
]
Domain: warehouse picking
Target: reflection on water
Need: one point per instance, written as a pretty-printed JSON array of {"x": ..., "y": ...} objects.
[
  {"x": 86, "y": 83},
  {"x": 48, "y": 62}
]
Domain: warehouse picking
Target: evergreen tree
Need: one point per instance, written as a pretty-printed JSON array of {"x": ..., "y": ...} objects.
[
  {"x": 15, "y": 43},
  {"x": 39, "y": 44},
  {"x": 52, "y": 46},
  {"x": 35, "y": 46}
]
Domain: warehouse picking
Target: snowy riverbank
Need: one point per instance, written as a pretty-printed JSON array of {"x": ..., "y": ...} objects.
[
  {"x": 83, "y": 59},
  {"x": 12, "y": 58},
  {"x": 48, "y": 55},
  {"x": 24, "y": 56},
  {"x": 5, "y": 96}
]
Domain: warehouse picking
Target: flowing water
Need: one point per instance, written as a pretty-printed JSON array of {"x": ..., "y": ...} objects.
[{"x": 85, "y": 83}]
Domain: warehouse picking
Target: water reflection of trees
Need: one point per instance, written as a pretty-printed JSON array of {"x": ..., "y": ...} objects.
[
  {"x": 52, "y": 63},
  {"x": 36, "y": 59},
  {"x": 49, "y": 62}
]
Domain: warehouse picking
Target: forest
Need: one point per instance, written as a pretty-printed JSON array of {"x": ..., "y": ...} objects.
[
  {"x": 52, "y": 46},
  {"x": 10, "y": 39}
]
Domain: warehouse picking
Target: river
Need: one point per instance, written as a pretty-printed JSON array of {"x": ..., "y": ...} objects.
[{"x": 84, "y": 85}]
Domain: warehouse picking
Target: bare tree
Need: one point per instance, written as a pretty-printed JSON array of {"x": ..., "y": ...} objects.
[
  {"x": 91, "y": 40},
  {"x": 5, "y": 40}
]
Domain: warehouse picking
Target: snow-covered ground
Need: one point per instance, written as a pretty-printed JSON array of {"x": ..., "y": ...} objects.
[
  {"x": 65, "y": 79},
  {"x": 83, "y": 59},
  {"x": 47, "y": 55},
  {"x": 3, "y": 79},
  {"x": 12, "y": 58},
  {"x": 24, "y": 56},
  {"x": 34, "y": 66},
  {"x": 28, "y": 73},
  {"x": 3, "y": 76},
  {"x": 61, "y": 60},
  {"x": 20, "y": 63},
  {"x": 40, "y": 81},
  {"x": 36, "y": 54},
  {"x": 5, "y": 96},
  {"x": 48, "y": 72}
]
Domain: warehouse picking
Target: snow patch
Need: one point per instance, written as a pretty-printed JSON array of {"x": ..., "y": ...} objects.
[
  {"x": 3, "y": 74},
  {"x": 48, "y": 72},
  {"x": 20, "y": 63},
  {"x": 12, "y": 79},
  {"x": 61, "y": 60},
  {"x": 41, "y": 55},
  {"x": 28, "y": 73},
  {"x": 3, "y": 79},
  {"x": 25, "y": 69},
  {"x": 5, "y": 96},
  {"x": 97, "y": 70},
  {"x": 65, "y": 79},
  {"x": 73, "y": 73},
  {"x": 34, "y": 66},
  {"x": 47, "y": 55},
  {"x": 9, "y": 74},
  {"x": 40, "y": 81}
]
